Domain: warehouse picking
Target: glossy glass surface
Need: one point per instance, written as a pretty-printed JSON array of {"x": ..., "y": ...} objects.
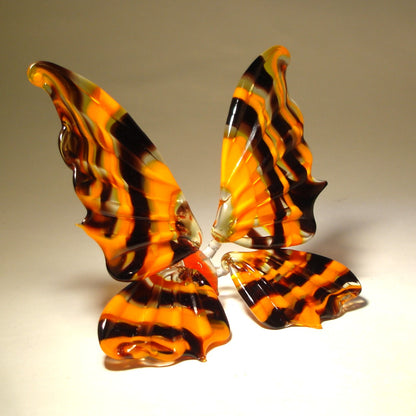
[
  {"x": 288, "y": 287},
  {"x": 139, "y": 216},
  {"x": 267, "y": 189}
]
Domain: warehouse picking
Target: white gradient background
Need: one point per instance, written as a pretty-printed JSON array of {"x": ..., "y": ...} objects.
[{"x": 174, "y": 66}]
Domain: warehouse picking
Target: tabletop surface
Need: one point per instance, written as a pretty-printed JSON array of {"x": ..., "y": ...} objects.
[{"x": 174, "y": 66}]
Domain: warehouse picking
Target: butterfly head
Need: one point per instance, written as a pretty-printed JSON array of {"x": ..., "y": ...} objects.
[
  {"x": 186, "y": 227},
  {"x": 223, "y": 227}
]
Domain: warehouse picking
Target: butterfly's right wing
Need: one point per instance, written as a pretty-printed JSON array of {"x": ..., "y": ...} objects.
[
  {"x": 136, "y": 211},
  {"x": 266, "y": 202}
]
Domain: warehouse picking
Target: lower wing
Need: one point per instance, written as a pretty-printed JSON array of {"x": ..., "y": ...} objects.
[
  {"x": 166, "y": 317},
  {"x": 289, "y": 287}
]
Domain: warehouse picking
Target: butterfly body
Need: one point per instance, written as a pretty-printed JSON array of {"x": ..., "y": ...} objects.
[{"x": 139, "y": 216}]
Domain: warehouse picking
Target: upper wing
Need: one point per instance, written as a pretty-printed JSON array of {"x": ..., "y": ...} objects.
[
  {"x": 267, "y": 191},
  {"x": 136, "y": 211}
]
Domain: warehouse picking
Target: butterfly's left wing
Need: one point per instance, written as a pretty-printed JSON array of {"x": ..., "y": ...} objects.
[
  {"x": 136, "y": 211},
  {"x": 289, "y": 287},
  {"x": 138, "y": 215}
]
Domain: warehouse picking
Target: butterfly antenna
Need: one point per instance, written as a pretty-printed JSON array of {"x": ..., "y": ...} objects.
[
  {"x": 210, "y": 251},
  {"x": 221, "y": 271},
  {"x": 211, "y": 248}
]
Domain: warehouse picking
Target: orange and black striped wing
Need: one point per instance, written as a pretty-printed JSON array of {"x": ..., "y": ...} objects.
[
  {"x": 136, "y": 211},
  {"x": 166, "y": 317},
  {"x": 289, "y": 287},
  {"x": 267, "y": 191}
]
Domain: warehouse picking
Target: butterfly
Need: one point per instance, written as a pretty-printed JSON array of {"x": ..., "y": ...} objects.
[{"x": 138, "y": 214}]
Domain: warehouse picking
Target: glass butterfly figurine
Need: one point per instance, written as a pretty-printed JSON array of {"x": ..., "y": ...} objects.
[{"x": 140, "y": 218}]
